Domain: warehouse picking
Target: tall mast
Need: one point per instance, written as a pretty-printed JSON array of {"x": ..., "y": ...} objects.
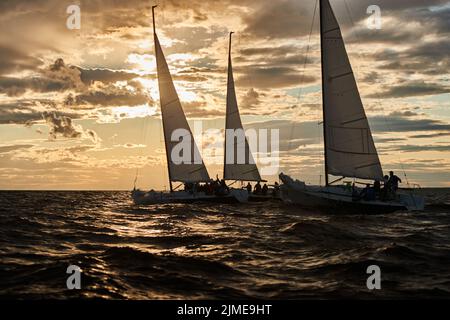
[
  {"x": 153, "y": 16},
  {"x": 167, "y": 151},
  {"x": 323, "y": 93},
  {"x": 226, "y": 118}
]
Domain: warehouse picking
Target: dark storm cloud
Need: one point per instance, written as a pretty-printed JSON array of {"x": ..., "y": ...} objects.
[
  {"x": 56, "y": 77},
  {"x": 412, "y": 89},
  {"x": 420, "y": 148},
  {"x": 104, "y": 75},
  {"x": 12, "y": 60},
  {"x": 59, "y": 77},
  {"x": 18, "y": 112},
  {"x": 280, "y": 19},
  {"x": 14, "y": 87},
  {"x": 426, "y": 58},
  {"x": 119, "y": 98},
  {"x": 28, "y": 111},
  {"x": 398, "y": 123},
  {"x": 277, "y": 56}
]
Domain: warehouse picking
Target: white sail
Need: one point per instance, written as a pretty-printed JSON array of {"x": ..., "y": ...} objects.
[
  {"x": 233, "y": 168},
  {"x": 349, "y": 147},
  {"x": 174, "y": 118}
]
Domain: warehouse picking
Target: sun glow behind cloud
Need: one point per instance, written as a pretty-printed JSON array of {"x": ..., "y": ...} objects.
[{"x": 107, "y": 82}]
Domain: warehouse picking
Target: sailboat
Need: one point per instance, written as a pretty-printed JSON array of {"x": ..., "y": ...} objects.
[
  {"x": 186, "y": 173},
  {"x": 234, "y": 169},
  {"x": 349, "y": 149}
]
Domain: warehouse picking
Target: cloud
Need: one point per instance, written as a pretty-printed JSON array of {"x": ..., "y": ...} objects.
[
  {"x": 94, "y": 79},
  {"x": 199, "y": 109},
  {"x": 88, "y": 76},
  {"x": 421, "y": 148},
  {"x": 422, "y": 57},
  {"x": 250, "y": 99},
  {"x": 13, "y": 60},
  {"x": 279, "y": 19},
  {"x": 6, "y": 149},
  {"x": 61, "y": 126},
  {"x": 93, "y": 136},
  {"x": 396, "y": 123},
  {"x": 431, "y": 135},
  {"x": 412, "y": 89},
  {"x": 109, "y": 97},
  {"x": 273, "y": 77},
  {"x": 27, "y": 111},
  {"x": 56, "y": 77}
]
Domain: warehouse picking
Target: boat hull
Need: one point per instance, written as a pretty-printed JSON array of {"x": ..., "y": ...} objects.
[
  {"x": 263, "y": 198},
  {"x": 155, "y": 197},
  {"x": 338, "y": 199}
]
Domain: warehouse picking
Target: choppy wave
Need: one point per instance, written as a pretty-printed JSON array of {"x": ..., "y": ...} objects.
[{"x": 219, "y": 251}]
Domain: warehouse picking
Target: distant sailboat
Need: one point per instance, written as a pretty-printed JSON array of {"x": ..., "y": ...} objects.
[
  {"x": 232, "y": 169},
  {"x": 235, "y": 169},
  {"x": 173, "y": 118},
  {"x": 348, "y": 142}
]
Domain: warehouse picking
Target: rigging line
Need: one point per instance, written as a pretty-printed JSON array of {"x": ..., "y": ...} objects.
[
  {"x": 303, "y": 70},
  {"x": 378, "y": 99}
]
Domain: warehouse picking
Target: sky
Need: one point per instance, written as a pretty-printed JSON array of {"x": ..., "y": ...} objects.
[{"x": 79, "y": 108}]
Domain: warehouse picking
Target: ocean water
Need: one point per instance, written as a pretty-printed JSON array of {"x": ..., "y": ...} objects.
[{"x": 204, "y": 251}]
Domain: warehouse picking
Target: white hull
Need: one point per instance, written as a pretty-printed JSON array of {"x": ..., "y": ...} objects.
[
  {"x": 340, "y": 199},
  {"x": 155, "y": 197}
]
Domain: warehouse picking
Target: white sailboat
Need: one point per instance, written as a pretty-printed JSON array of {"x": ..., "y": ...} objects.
[
  {"x": 239, "y": 164},
  {"x": 191, "y": 172},
  {"x": 349, "y": 148}
]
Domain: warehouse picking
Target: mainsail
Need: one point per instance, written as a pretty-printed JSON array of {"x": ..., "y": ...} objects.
[
  {"x": 173, "y": 119},
  {"x": 349, "y": 147},
  {"x": 234, "y": 169}
]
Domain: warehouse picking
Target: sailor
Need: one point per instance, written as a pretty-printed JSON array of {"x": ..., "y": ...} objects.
[
  {"x": 223, "y": 188},
  {"x": 188, "y": 186},
  {"x": 265, "y": 189},
  {"x": 377, "y": 188},
  {"x": 393, "y": 182},
  {"x": 276, "y": 189},
  {"x": 385, "y": 189},
  {"x": 368, "y": 193},
  {"x": 257, "y": 189},
  {"x": 249, "y": 188}
]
